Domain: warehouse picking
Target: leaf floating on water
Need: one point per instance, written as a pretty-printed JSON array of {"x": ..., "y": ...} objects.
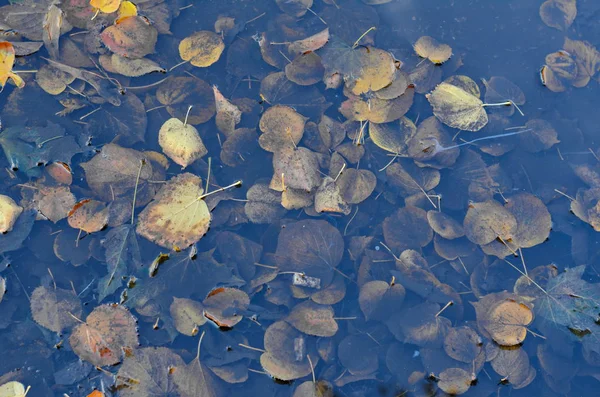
[
  {"x": 500, "y": 89},
  {"x": 364, "y": 363},
  {"x": 228, "y": 114},
  {"x": 299, "y": 167},
  {"x": 587, "y": 58},
  {"x": 313, "y": 319},
  {"x": 181, "y": 142},
  {"x": 559, "y": 71},
  {"x": 463, "y": 344},
  {"x": 88, "y": 215},
  {"x": 123, "y": 256},
  {"x": 13, "y": 389},
  {"x": 281, "y": 127},
  {"x": 179, "y": 93},
  {"x": 310, "y": 389},
  {"x": 419, "y": 325},
  {"x": 444, "y": 225},
  {"x": 7, "y": 61},
  {"x": 378, "y": 299},
  {"x": 487, "y": 221},
  {"x": 558, "y": 14},
  {"x": 202, "y": 48},
  {"x": 374, "y": 70},
  {"x": 393, "y": 137},
  {"x": 52, "y": 80},
  {"x": 533, "y": 219},
  {"x": 457, "y": 108},
  {"x": 150, "y": 372},
  {"x": 455, "y": 381},
  {"x": 295, "y": 8},
  {"x": 407, "y": 218},
  {"x": 513, "y": 367},
  {"x": 286, "y": 352},
  {"x": 311, "y": 43},
  {"x": 503, "y": 317},
  {"x": 176, "y": 218},
  {"x": 107, "y": 335},
  {"x": 263, "y": 204},
  {"x": 129, "y": 67},
  {"x": 106, "y": 6},
  {"x": 9, "y": 213},
  {"x": 188, "y": 315},
  {"x": 430, "y": 48},
  {"x": 226, "y": 306},
  {"x": 130, "y": 37},
  {"x": 305, "y": 69},
  {"x": 356, "y": 186},
  {"x": 195, "y": 379},
  {"x": 328, "y": 198},
  {"x": 54, "y": 308},
  {"x": 377, "y": 110},
  {"x": 53, "y": 23}
]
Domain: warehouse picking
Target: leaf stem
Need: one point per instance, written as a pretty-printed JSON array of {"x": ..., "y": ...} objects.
[
  {"x": 137, "y": 181},
  {"x": 362, "y": 36}
]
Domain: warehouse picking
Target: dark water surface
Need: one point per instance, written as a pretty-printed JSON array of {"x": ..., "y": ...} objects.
[{"x": 405, "y": 306}]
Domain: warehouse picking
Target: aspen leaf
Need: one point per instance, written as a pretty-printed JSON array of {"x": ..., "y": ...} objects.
[{"x": 181, "y": 142}]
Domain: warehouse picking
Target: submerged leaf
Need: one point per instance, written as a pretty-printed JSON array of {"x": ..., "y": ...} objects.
[
  {"x": 54, "y": 308},
  {"x": 313, "y": 319},
  {"x": 558, "y": 14}
]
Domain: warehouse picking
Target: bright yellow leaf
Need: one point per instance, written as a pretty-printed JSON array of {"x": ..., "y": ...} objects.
[
  {"x": 106, "y": 6},
  {"x": 126, "y": 9},
  {"x": 7, "y": 61}
]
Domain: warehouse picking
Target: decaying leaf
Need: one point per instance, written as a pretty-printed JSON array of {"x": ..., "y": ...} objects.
[
  {"x": 377, "y": 110},
  {"x": 181, "y": 142},
  {"x": 455, "y": 381},
  {"x": 379, "y": 299},
  {"x": 54, "y": 308},
  {"x": 559, "y": 71},
  {"x": 430, "y": 48},
  {"x": 407, "y": 228},
  {"x": 9, "y": 212},
  {"x": 188, "y": 315},
  {"x": 264, "y": 204},
  {"x": 179, "y": 93},
  {"x": 202, "y": 48},
  {"x": 52, "y": 80},
  {"x": 487, "y": 221},
  {"x": 356, "y": 186},
  {"x": 533, "y": 220},
  {"x": 295, "y": 168},
  {"x": 88, "y": 215},
  {"x": 503, "y": 318},
  {"x": 393, "y": 137},
  {"x": 558, "y": 14},
  {"x": 226, "y": 306},
  {"x": 281, "y": 127},
  {"x": 130, "y": 37},
  {"x": 313, "y": 319},
  {"x": 176, "y": 217},
  {"x": 587, "y": 58},
  {"x": 129, "y": 67},
  {"x": 457, "y": 108},
  {"x": 107, "y": 336}
]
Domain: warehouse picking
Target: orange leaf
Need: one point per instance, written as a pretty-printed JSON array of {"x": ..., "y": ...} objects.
[
  {"x": 7, "y": 61},
  {"x": 96, "y": 393}
]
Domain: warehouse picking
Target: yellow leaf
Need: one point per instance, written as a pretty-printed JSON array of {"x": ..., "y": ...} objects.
[
  {"x": 126, "y": 9},
  {"x": 106, "y": 6},
  {"x": 201, "y": 49},
  {"x": 176, "y": 216},
  {"x": 457, "y": 108},
  {"x": 13, "y": 389},
  {"x": 7, "y": 61},
  {"x": 428, "y": 47},
  {"x": 181, "y": 142},
  {"x": 9, "y": 212}
]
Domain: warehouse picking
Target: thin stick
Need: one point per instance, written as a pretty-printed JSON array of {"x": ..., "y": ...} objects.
[
  {"x": 186, "y": 115},
  {"x": 317, "y": 15},
  {"x": 345, "y": 318},
  {"x": 20, "y": 283},
  {"x": 426, "y": 195},
  {"x": 340, "y": 173},
  {"x": 535, "y": 334},
  {"x": 444, "y": 308},
  {"x": 389, "y": 163},
  {"x": 255, "y": 18},
  {"x": 88, "y": 286},
  {"x": 75, "y": 317},
  {"x": 156, "y": 107},
  {"x": 186, "y": 7},
  {"x": 312, "y": 368},
  {"x": 362, "y": 36},
  {"x": 252, "y": 348},
  {"x": 351, "y": 219},
  {"x": 526, "y": 276},
  {"x": 178, "y": 65},
  {"x": 235, "y": 184},
  {"x": 52, "y": 276},
  {"x": 137, "y": 181},
  {"x": 518, "y": 109},
  {"x": 267, "y": 266},
  {"x": 208, "y": 176},
  {"x": 523, "y": 260},
  {"x": 283, "y": 55},
  {"x": 89, "y": 114},
  {"x": 258, "y": 372},
  {"x": 564, "y": 194},
  {"x": 390, "y": 251},
  {"x": 507, "y": 103},
  {"x": 141, "y": 87}
]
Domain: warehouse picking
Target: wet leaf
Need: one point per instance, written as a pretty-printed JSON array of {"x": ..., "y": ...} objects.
[
  {"x": 444, "y": 225},
  {"x": 295, "y": 8},
  {"x": 188, "y": 315},
  {"x": 286, "y": 352},
  {"x": 558, "y": 14},
  {"x": 106, "y": 6},
  {"x": 53, "y": 22},
  {"x": 513, "y": 367},
  {"x": 356, "y": 185},
  {"x": 328, "y": 198},
  {"x": 310, "y": 389},
  {"x": 195, "y": 379},
  {"x": 263, "y": 204},
  {"x": 113, "y": 174},
  {"x": 181, "y": 142},
  {"x": 299, "y": 167},
  {"x": 463, "y": 344},
  {"x": 281, "y": 127},
  {"x": 374, "y": 70},
  {"x": 313, "y": 319},
  {"x": 226, "y": 306},
  {"x": 410, "y": 179},
  {"x": 123, "y": 257},
  {"x": 312, "y": 247},
  {"x": 54, "y": 308},
  {"x": 239, "y": 147},
  {"x": 7, "y": 61},
  {"x": 379, "y": 299},
  {"x": 150, "y": 371},
  {"x": 107, "y": 335},
  {"x": 430, "y": 48},
  {"x": 504, "y": 318},
  {"x": 393, "y": 137},
  {"x": 176, "y": 217},
  {"x": 88, "y": 215},
  {"x": 422, "y": 146},
  {"x": 228, "y": 115},
  {"x": 455, "y": 381},
  {"x": 9, "y": 213},
  {"x": 487, "y": 221},
  {"x": 559, "y": 71},
  {"x": 398, "y": 87},
  {"x": 130, "y": 37},
  {"x": 305, "y": 69},
  {"x": 377, "y": 110},
  {"x": 425, "y": 77},
  {"x": 129, "y": 67},
  {"x": 28, "y": 147},
  {"x": 52, "y": 80},
  {"x": 2, "y": 288},
  {"x": 358, "y": 364},
  {"x": 13, "y": 389},
  {"x": 202, "y": 48},
  {"x": 311, "y": 43},
  {"x": 407, "y": 228},
  {"x": 457, "y": 108},
  {"x": 419, "y": 325},
  {"x": 500, "y": 89},
  {"x": 541, "y": 137},
  {"x": 179, "y": 93},
  {"x": 586, "y": 57},
  {"x": 533, "y": 220}
]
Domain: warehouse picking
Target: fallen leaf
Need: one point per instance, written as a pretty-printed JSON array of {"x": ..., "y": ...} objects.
[
  {"x": 281, "y": 127},
  {"x": 54, "y": 308},
  {"x": 586, "y": 57},
  {"x": 181, "y": 142},
  {"x": 106, "y": 6},
  {"x": 455, "y": 381},
  {"x": 202, "y": 48},
  {"x": 129, "y": 67},
  {"x": 226, "y": 306},
  {"x": 313, "y": 319},
  {"x": 430, "y": 48},
  {"x": 9, "y": 213},
  {"x": 7, "y": 61},
  {"x": 179, "y": 93},
  {"x": 457, "y": 108},
  {"x": 88, "y": 215},
  {"x": 188, "y": 315},
  {"x": 487, "y": 221},
  {"x": 299, "y": 167},
  {"x": 558, "y": 14},
  {"x": 130, "y": 37},
  {"x": 503, "y": 318}
]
